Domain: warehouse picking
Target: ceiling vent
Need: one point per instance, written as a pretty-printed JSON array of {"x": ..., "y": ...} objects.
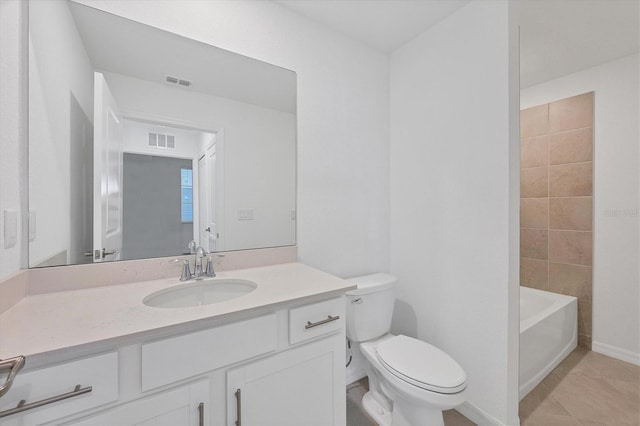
[
  {"x": 178, "y": 81},
  {"x": 160, "y": 140}
]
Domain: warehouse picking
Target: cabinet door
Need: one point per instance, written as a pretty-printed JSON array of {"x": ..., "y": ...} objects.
[
  {"x": 302, "y": 386},
  {"x": 170, "y": 408}
]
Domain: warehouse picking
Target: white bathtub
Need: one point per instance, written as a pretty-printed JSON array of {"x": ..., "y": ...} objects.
[{"x": 548, "y": 333}]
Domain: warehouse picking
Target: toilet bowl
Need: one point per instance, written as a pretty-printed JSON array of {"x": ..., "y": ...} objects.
[{"x": 410, "y": 381}]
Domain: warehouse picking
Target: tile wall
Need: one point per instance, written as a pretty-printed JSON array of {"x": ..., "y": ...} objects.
[{"x": 556, "y": 204}]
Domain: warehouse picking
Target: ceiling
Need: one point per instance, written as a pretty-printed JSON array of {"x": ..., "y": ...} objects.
[{"x": 557, "y": 37}]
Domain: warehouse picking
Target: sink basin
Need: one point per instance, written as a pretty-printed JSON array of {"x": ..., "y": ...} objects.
[{"x": 199, "y": 293}]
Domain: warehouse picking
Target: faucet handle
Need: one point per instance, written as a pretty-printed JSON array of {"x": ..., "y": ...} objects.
[
  {"x": 209, "y": 272},
  {"x": 186, "y": 271}
]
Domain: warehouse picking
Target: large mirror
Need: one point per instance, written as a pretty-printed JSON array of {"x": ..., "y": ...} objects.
[{"x": 145, "y": 144}]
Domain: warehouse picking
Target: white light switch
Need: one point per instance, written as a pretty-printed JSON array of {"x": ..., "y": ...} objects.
[
  {"x": 245, "y": 214},
  {"x": 32, "y": 225},
  {"x": 10, "y": 228}
]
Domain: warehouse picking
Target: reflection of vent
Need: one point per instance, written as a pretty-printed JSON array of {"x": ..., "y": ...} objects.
[
  {"x": 175, "y": 80},
  {"x": 162, "y": 141}
]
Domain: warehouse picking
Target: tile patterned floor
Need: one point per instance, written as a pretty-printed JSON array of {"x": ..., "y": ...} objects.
[{"x": 587, "y": 388}]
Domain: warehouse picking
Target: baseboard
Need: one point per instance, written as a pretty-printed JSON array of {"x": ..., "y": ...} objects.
[
  {"x": 616, "y": 352},
  {"x": 355, "y": 375},
  {"x": 479, "y": 416}
]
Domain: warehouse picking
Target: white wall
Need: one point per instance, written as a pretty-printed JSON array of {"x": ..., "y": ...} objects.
[
  {"x": 58, "y": 67},
  {"x": 616, "y": 257},
  {"x": 11, "y": 185},
  {"x": 454, "y": 116},
  {"x": 343, "y": 105},
  {"x": 258, "y": 155}
]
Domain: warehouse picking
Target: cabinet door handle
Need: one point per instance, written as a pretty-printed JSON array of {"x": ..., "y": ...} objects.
[
  {"x": 238, "y": 407},
  {"x": 324, "y": 321},
  {"x": 24, "y": 407},
  {"x": 201, "y": 414}
]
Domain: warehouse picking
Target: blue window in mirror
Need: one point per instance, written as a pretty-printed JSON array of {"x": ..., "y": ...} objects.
[{"x": 186, "y": 195}]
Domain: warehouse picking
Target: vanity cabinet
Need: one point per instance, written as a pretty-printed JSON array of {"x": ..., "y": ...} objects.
[
  {"x": 99, "y": 373},
  {"x": 186, "y": 405},
  {"x": 304, "y": 385},
  {"x": 296, "y": 387},
  {"x": 278, "y": 367}
]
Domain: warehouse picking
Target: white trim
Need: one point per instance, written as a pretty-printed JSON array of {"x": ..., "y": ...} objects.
[
  {"x": 616, "y": 352},
  {"x": 480, "y": 417}
]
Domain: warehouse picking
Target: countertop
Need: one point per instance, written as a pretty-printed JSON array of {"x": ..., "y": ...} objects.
[{"x": 50, "y": 327}]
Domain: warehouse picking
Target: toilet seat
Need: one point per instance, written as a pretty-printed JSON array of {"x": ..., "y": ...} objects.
[{"x": 421, "y": 364}]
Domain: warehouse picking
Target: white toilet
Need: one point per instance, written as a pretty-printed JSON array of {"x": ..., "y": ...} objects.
[{"x": 410, "y": 381}]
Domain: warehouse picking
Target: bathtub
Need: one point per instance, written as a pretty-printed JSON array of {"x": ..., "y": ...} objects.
[{"x": 548, "y": 333}]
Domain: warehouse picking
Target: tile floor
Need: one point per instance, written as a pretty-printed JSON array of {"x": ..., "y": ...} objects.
[{"x": 587, "y": 388}]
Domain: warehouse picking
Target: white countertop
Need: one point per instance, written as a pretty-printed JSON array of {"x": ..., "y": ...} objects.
[{"x": 55, "y": 325}]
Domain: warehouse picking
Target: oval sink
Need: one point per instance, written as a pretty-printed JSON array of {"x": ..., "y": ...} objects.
[{"x": 205, "y": 292}]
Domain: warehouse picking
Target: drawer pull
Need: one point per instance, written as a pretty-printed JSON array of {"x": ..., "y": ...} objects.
[
  {"x": 324, "y": 321},
  {"x": 14, "y": 365},
  {"x": 238, "y": 407},
  {"x": 24, "y": 407},
  {"x": 201, "y": 414}
]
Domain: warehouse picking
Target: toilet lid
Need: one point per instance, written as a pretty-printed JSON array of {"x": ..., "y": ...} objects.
[{"x": 421, "y": 364}]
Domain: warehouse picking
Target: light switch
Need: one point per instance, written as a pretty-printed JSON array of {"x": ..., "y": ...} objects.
[
  {"x": 293, "y": 215},
  {"x": 10, "y": 228},
  {"x": 32, "y": 225},
  {"x": 245, "y": 214}
]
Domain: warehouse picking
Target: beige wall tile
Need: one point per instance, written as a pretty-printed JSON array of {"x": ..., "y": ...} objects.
[
  {"x": 571, "y": 113},
  {"x": 534, "y": 273},
  {"x": 534, "y": 152},
  {"x": 570, "y": 213},
  {"x": 573, "y": 247},
  {"x": 574, "y": 146},
  {"x": 534, "y": 213},
  {"x": 585, "y": 316},
  {"x": 534, "y": 182},
  {"x": 533, "y": 243},
  {"x": 584, "y": 341},
  {"x": 572, "y": 280},
  {"x": 534, "y": 121},
  {"x": 571, "y": 180}
]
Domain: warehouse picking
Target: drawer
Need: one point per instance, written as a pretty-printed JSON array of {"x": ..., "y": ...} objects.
[
  {"x": 316, "y": 319},
  {"x": 99, "y": 372},
  {"x": 177, "y": 358}
]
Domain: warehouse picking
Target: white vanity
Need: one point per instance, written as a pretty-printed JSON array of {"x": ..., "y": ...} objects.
[{"x": 272, "y": 356}]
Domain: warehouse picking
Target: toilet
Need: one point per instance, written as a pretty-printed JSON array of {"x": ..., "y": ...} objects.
[{"x": 410, "y": 381}]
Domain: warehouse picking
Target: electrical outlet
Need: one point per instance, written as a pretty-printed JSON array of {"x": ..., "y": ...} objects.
[{"x": 245, "y": 214}]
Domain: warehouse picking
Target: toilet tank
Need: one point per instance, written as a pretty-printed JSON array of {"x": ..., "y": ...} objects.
[{"x": 370, "y": 307}]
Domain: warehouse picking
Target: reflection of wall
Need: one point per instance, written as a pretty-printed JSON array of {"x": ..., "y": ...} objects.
[
  {"x": 259, "y": 155},
  {"x": 13, "y": 187},
  {"x": 556, "y": 186},
  {"x": 616, "y": 325},
  {"x": 81, "y": 186},
  {"x": 453, "y": 116},
  {"x": 151, "y": 207},
  {"x": 59, "y": 68}
]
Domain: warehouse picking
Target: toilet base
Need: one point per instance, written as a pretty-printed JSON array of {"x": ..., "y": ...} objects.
[
  {"x": 384, "y": 417},
  {"x": 381, "y": 415}
]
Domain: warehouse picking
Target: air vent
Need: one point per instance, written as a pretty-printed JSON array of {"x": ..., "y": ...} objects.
[
  {"x": 160, "y": 140},
  {"x": 178, "y": 81}
]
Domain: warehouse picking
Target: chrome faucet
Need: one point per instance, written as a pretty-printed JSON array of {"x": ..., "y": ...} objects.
[{"x": 197, "y": 270}]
